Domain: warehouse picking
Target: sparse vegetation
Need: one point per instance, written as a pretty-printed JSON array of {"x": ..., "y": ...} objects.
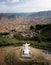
[
  {"x": 12, "y": 59},
  {"x": 16, "y": 42}
]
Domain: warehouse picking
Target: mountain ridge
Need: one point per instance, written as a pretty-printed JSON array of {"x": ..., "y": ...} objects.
[{"x": 33, "y": 14}]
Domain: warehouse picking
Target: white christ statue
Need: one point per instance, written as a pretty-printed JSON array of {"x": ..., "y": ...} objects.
[{"x": 26, "y": 50}]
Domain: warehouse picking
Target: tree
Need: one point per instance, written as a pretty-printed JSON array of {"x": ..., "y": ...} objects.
[{"x": 31, "y": 28}]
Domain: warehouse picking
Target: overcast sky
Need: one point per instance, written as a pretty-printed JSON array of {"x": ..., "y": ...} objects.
[{"x": 14, "y": 6}]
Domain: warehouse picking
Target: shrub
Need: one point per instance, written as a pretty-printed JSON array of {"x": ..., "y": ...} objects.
[
  {"x": 40, "y": 60},
  {"x": 11, "y": 59}
]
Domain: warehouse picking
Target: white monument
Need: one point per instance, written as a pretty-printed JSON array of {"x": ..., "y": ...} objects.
[{"x": 26, "y": 50}]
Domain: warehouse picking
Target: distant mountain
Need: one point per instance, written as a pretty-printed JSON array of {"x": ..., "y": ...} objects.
[
  {"x": 12, "y": 15},
  {"x": 43, "y": 13},
  {"x": 34, "y": 14}
]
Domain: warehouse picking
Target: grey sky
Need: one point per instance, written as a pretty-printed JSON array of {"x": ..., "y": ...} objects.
[{"x": 24, "y": 5}]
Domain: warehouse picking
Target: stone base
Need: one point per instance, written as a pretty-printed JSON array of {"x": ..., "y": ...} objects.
[
  {"x": 26, "y": 55},
  {"x": 23, "y": 55}
]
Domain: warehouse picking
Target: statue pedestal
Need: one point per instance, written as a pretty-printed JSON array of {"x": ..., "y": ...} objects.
[{"x": 25, "y": 54}]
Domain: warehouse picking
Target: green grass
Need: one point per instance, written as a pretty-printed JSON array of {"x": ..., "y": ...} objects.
[
  {"x": 16, "y": 42},
  {"x": 7, "y": 41}
]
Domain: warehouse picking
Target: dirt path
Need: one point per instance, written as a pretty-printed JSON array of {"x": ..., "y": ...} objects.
[{"x": 5, "y": 50}]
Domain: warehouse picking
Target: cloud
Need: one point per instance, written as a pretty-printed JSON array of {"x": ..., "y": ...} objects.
[
  {"x": 13, "y": 1},
  {"x": 9, "y": 1},
  {"x": 24, "y": 5},
  {"x": 3, "y": 8}
]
